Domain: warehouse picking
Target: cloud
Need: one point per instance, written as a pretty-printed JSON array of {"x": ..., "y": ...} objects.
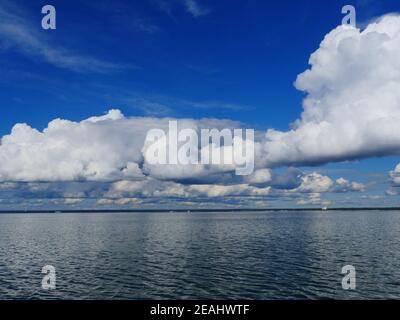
[
  {"x": 261, "y": 176},
  {"x": 68, "y": 151},
  {"x": 72, "y": 201},
  {"x": 157, "y": 189},
  {"x": 352, "y": 107},
  {"x": 102, "y": 158},
  {"x": 343, "y": 185},
  {"x": 131, "y": 202},
  {"x": 312, "y": 186},
  {"x": 195, "y": 9},
  {"x": 391, "y": 192},
  {"x": 192, "y": 7},
  {"x": 395, "y": 175},
  {"x": 317, "y": 183},
  {"x": 104, "y": 148},
  {"x": 224, "y": 191},
  {"x": 310, "y": 190},
  {"x": 164, "y": 105},
  {"x": 314, "y": 183},
  {"x": 17, "y": 33},
  {"x": 313, "y": 199}
]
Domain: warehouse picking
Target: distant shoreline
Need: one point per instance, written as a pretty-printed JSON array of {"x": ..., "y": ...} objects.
[{"x": 202, "y": 210}]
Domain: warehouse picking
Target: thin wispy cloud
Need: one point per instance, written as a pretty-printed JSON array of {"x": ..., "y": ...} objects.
[
  {"x": 149, "y": 107},
  {"x": 147, "y": 27},
  {"x": 167, "y": 106},
  {"x": 195, "y": 9},
  {"x": 159, "y": 104},
  {"x": 123, "y": 14},
  {"x": 202, "y": 69},
  {"x": 18, "y": 34}
]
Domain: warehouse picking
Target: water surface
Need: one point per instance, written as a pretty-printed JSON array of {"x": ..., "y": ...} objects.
[{"x": 246, "y": 255}]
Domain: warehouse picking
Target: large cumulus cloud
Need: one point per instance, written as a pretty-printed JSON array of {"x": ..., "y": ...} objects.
[
  {"x": 103, "y": 148},
  {"x": 352, "y": 107}
]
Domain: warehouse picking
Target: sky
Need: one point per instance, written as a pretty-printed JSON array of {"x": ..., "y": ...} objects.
[{"x": 76, "y": 102}]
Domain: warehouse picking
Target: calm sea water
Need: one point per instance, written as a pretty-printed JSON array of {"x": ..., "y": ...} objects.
[{"x": 272, "y": 255}]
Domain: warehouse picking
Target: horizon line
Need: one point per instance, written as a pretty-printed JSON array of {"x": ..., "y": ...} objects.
[{"x": 198, "y": 210}]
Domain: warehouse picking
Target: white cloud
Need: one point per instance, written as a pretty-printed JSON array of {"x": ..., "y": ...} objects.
[
  {"x": 352, "y": 108},
  {"x": 193, "y": 7},
  {"x": 224, "y": 191},
  {"x": 315, "y": 183},
  {"x": 260, "y": 176},
  {"x": 119, "y": 202},
  {"x": 157, "y": 189},
  {"x": 128, "y": 201},
  {"x": 72, "y": 201},
  {"x": 395, "y": 175},
  {"x": 313, "y": 199},
  {"x": 343, "y": 185},
  {"x": 104, "y": 202},
  {"x": 103, "y": 148},
  {"x": 391, "y": 192}
]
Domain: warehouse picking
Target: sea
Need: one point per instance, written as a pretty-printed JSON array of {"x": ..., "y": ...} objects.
[{"x": 201, "y": 255}]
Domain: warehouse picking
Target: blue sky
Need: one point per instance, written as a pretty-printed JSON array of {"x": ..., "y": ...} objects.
[
  {"x": 243, "y": 54},
  {"x": 234, "y": 60}
]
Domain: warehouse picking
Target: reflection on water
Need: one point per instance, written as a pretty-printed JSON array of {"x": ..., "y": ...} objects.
[{"x": 271, "y": 255}]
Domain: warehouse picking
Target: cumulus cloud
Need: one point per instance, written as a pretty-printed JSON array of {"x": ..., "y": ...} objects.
[
  {"x": 352, "y": 107},
  {"x": 316, "y": 183},
  {"x": 72, "y": 201},
  {"x": 233, "y": 190},
  {"x": 99, "y": 148},
  {"x": 395, "y": 175},
  {"x": 313, "y": 199},
  {"x": 261, "y": 176},
  {"x": 391, "y": 192},
  {"x": 156, "y": 188},
  {"x": 103, "y": 148},
  {"x": 343, "y": 185}
]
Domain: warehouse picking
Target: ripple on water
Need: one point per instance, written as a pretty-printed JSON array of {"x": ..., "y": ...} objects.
[{"x": 247, "y": 255}]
